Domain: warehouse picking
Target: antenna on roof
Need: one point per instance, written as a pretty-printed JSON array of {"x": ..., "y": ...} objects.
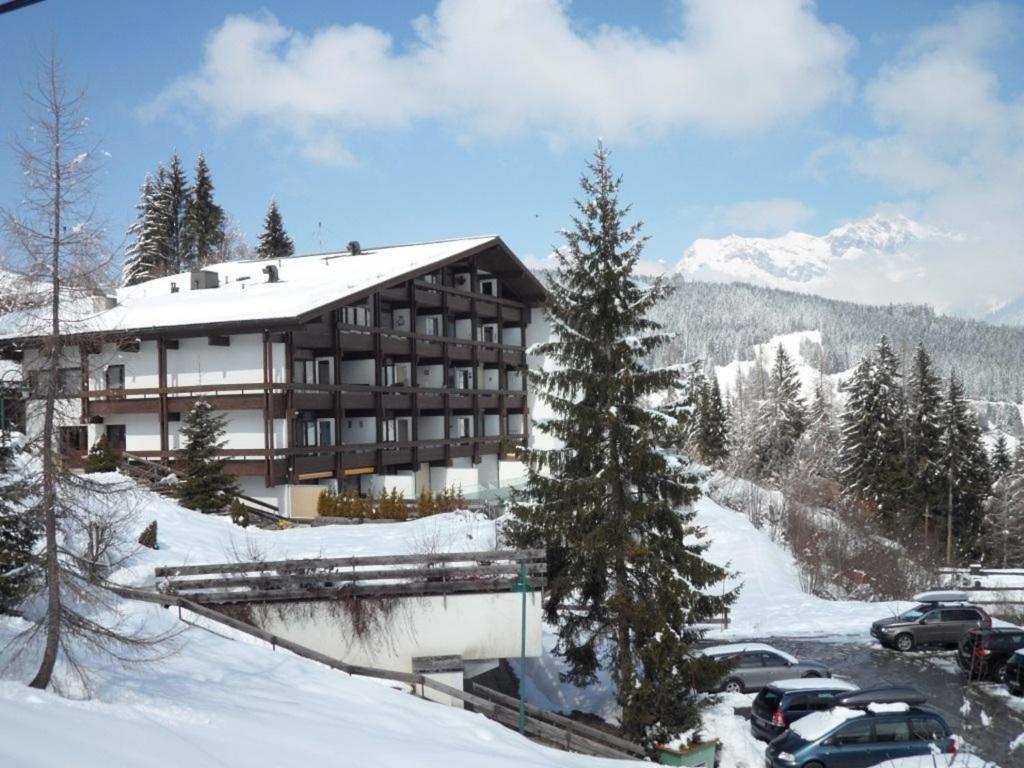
[{"x": 320, "y": 235}]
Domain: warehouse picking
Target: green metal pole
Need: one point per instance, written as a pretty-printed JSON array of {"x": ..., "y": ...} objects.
[{"x": 522, "y": 653}]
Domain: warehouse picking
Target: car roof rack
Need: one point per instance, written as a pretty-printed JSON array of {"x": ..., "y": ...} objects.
[
  {"x": 941, "y": 596},
  {"x": 857, "y": 699}
]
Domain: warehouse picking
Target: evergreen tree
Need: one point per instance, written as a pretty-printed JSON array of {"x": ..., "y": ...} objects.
[
  {"x": 871, "y": 457},
  {"x": 101, "y": 457},
  {"x": 274, "y": 242},
  {"x": 816, "y": 451},
  {"x": 781, "y": 418},
  {"x": 144, "y": 255},
  {"x": 923, "y": 435},
  {"x": 19, "y": 531},
  {"x": 205, "y": 487},
  {"x": 1001, "y": 459},
  {"x": 607, "y": 503},
  {"x": 202, "y": 222},
  {"x": 171, "y": 195},
  {"x": 712, "y": 427},
  {"x": 964, "y": 466}
]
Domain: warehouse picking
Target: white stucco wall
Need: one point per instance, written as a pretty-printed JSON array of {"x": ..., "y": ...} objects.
[
  {"x": 431, "y": 427},
  {"x": 377, "y": 484},
  {"x": 474, "y": 626},
  {"x": 430, "y": 375},
  {"x": 241, "y": 362},
  {"x": 454, "y": 477}
]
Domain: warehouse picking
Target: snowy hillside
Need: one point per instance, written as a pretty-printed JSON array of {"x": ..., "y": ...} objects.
[
  {"x": 801, "y": 261},
  {"x": 222, "y": 698}
]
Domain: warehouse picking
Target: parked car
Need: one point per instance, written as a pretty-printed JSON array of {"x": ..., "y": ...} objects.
[
  {"x": 864, "y": 729},
  {"x": 1014, "y": 676},
  {"x": 757, "y": 664},
  {"x": 983, "y": 653},
  {"x": 940, "y": 618},
  {"x": 786, "y": 701}
]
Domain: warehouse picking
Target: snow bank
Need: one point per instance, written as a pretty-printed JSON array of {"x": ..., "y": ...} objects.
[
  {"x": 187, "y": 537},
  {"x": 771, "y": 602},
  {"x": 960, "y": 760},
  {"x": 221, "y": 701}
]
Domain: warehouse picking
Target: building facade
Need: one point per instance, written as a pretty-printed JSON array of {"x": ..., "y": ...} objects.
[{"x": 388, "y": 368}]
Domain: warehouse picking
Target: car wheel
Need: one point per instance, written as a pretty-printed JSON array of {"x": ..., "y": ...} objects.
[
  {"x": 732, "y": 685},
  {"x": 812, "y": 674},
  {"x": 813, "y": 765},
  {"x": 904, "y": 642}
]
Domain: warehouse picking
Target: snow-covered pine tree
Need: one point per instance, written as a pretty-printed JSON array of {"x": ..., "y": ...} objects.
[
  {"x": 171, "y": 194},
  {"x": 781, "y": 418},
  {"x": 816, "y": 451},
  {"x": 871, "y": 460},
  {"x": 1003, "y": 527},
  {"x": 964, "y": 467},
  {"x": 274, "y": 242},
  {"x": 1001, "y": 461},
  {"x": 205, "y": 487},
  {"x": 101, "y": 457},
  {"x": 627, "y": 580},
  {"x": 19, "y": 531},
  {"x": 713, "y": 424},
  {"x": 923, "y": 435},
  {"x": 202, "y": 222},
  {"x": 143, "y": 256}
]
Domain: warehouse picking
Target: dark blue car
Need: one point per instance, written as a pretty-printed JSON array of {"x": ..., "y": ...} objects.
[
  {"x": 865, "y": 729},
  {"x": 783, "y": 702}
]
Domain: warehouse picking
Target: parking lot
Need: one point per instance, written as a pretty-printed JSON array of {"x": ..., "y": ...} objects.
[{"x": 980, "y": 713}]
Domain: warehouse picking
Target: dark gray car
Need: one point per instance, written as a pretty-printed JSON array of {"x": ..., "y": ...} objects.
[
  {"x": 929, "y": 624},
  {"x": 758, "y": 664}
]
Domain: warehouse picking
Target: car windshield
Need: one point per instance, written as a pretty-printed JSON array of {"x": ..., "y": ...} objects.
[{"x": 915, "y": 613}]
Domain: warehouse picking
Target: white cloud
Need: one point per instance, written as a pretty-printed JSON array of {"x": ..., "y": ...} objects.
[
  {"x": 488, "y": 69},
  {"x": 952, "y": 135},
  {"x": 760, "y": 217}
]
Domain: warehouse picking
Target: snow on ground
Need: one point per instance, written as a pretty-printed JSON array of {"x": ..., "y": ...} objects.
[
  {"x": 228, "y": 700},
  {"x": 739, "y": 747},
  {"x": 186, "y": 537},
  {"x": 771, "y": 602},
  {"x": 806, "y": 370},
  {"x": 223, "y": 698}
]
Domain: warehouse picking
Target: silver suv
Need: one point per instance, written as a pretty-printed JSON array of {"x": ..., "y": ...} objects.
[
  {"x": 758, "y": 664},
  {"x": 941, "y": 618}
]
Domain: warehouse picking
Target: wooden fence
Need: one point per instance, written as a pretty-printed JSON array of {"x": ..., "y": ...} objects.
[
  {"x": 544, "y": 726},
  {"x": 369, "y": 576}
]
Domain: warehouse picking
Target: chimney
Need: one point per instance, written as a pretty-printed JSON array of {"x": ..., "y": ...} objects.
[
  {"x": 271, "y": 272},
  {"x": 353, "y": 248}
]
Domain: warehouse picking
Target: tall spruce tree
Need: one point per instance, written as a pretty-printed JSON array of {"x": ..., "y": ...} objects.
[
  {"x": 816, "y": 451},
  {"x": 1002, "y": 461},
  {"x": 781, "y": 418},
  {"x": 19, "y": 532},
  {"x": 627, "y": 580},
  {"x": 872, "y": 439},
  {"x": 923, "y": 435},
  {"x": 202, "y": 222},
  {"x": 206, "y": 486},
  {"x": 143, "y": 257},
  {"x": 713, "y": 424},
  {"x": 274, "y": 242},
  {"x": 964, "y": 466},
  {"x": 171, "y": 196}
]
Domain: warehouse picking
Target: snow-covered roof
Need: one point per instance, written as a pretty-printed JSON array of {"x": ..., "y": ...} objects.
[
  {"x": 817, "y": 724},
  {"x": 246, "y": 295},
  {"x": 814, "y": 683},
  {"x": 733, "y": 648}
]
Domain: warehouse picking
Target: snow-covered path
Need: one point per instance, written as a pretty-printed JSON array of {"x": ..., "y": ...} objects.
[{"x": 771, "y": 602}]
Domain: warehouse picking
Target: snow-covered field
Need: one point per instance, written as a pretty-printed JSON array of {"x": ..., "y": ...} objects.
[{"x": 225, "y": 699}]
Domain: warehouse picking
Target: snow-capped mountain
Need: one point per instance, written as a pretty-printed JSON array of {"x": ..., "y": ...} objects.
[{"x": 801, "y": 261}]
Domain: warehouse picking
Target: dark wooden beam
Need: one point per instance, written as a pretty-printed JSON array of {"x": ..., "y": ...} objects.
[
  {"x": 218, "y": 341},
  {"x": 161, "y": 382}
]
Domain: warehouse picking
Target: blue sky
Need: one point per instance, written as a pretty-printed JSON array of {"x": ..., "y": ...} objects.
[{"x": 403, "y": 121}]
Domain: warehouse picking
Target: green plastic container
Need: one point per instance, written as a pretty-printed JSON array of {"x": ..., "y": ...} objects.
[{"x": 704, "y": 755}]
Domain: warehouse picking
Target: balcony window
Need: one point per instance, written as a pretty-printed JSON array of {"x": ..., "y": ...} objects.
[{"x": 489, "y": 287}]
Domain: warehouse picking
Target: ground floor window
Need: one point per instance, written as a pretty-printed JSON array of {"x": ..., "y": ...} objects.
[{"x": 73, "y": 440}]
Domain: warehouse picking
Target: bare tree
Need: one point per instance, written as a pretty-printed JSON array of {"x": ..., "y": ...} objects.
[{"x": 61, "y": 258}]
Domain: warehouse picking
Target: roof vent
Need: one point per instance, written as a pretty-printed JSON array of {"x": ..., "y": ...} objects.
[
  {"x": 271, "y": 272},
  {"x": 353, "y": 248},
  {"x": 204, "y": 279}
]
